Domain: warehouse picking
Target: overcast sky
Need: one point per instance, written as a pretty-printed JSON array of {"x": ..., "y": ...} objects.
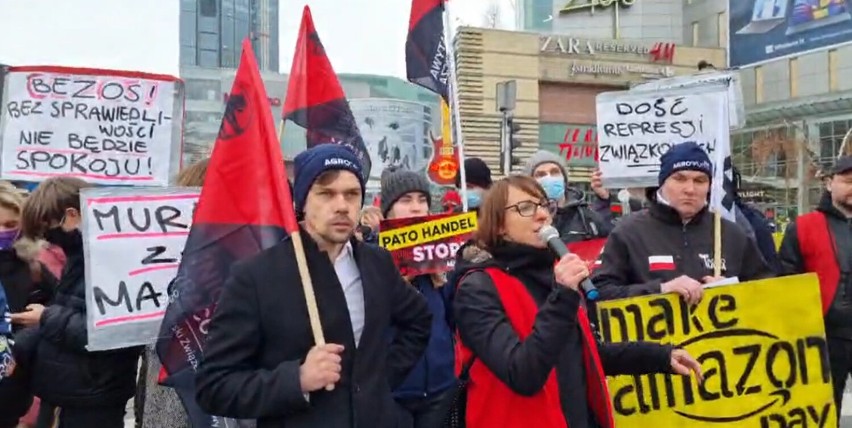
[{"x": 360, "y": 36}]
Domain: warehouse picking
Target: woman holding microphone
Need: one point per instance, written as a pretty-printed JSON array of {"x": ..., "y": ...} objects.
[{"x": 534, "y": 358}]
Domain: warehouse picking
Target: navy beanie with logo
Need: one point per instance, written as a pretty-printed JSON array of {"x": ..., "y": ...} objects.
[
  {"x": 688, "y": 156},
  {"x": 311, "y": 163}
]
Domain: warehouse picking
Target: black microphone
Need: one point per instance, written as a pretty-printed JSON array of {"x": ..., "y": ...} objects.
[{"x": 550, "y": 236}]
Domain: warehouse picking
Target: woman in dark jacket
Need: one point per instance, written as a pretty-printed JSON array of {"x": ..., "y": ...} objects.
[
  {"x": 85, "y": 389},
  {"x": 524, "y": 328},
  {"x": 425, "y": 395},
  {"x": 18, "y": 270}
]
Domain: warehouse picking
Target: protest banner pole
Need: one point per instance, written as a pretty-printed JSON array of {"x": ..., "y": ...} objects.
[
  {"x": 717, "y": 244},
  {"x": 307, "y": 283},
  {"x": 452, "y": 88}
]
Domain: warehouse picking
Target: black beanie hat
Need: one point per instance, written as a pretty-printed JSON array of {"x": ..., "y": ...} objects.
[{"x": 476, "y": 172}]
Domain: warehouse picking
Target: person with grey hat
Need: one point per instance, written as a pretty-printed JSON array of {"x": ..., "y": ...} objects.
[
  {"x": 261, "y": 360},
  {"x": 573, "y": 218},
  {"x": 424, "y": 397},
  {"x": 821, "y": 242},
  {"x": 669, "y": 248}
]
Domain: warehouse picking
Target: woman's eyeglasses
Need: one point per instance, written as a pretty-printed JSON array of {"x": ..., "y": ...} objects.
[{"x": 528, "y": 208}]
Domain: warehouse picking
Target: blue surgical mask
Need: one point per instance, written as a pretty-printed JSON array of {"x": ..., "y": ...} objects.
[
  {"x": 474, "y": 198},
  {"x": 554, "y": 187}
]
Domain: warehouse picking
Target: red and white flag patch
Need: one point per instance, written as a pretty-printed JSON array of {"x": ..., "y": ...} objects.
[{"x": 656, "y": 263}]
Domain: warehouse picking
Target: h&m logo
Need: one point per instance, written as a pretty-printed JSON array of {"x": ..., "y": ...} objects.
[{"x": 662, "y": 52}]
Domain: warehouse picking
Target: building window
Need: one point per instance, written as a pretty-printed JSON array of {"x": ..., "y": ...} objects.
[
  {"x": 208, "y": 58},
  {"x": 203, "y": 90},
  {"x": 722, "y": 26},
  {"x": 831, "y": 135},
  {"x": 833, "y": 71},
  {"x": 208, "y": 8},
  {"x": 538, "y": 15},
  {"x": 695, "y": 34}
]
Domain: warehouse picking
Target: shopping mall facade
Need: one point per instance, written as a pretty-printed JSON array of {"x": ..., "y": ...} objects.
[
  {"x": 558, "y": 78},
  {"x": 794, "y": 74}
]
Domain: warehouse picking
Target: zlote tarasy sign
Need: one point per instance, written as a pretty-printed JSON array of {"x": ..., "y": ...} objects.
[
  {"x": 761, "y": 345},
  {"x": 593, "y": 5}
]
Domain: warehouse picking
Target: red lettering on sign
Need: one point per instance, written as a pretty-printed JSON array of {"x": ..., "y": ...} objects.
[
  {"x": 662, "y": 52},
  {"x": 573, "y": 147}
]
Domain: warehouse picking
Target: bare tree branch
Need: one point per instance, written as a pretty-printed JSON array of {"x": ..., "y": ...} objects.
[{"x": 491, "y": 16}]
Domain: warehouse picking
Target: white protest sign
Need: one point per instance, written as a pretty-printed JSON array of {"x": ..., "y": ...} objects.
[
  {"x": 133, "y": 238},
  {"x": 635, "y": 128},
  {"x": 106, "y": 127},
  {"x": 736, "y": 108}
]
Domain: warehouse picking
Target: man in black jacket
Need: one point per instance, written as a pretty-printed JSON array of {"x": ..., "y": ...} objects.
[
  {"x": 669, "y": 247},
  {"x": 821, "y": 242},
  {"x": 260, "y": 358}
]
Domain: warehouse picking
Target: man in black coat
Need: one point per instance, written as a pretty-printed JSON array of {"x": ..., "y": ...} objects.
[
  {"x": 668, "y": 248},
  {"x": 260, "y": 358}
]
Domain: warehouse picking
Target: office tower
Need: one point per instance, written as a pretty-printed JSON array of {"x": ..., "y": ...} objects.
[{"x": 211, "y": 32}]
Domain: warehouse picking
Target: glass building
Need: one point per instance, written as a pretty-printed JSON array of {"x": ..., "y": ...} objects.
[{"x": 212, "y": 31}]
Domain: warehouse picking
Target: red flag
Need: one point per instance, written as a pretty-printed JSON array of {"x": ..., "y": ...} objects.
[
  {"x": 426, "y": 59},
  {"x": 316, "y": 101},
  {"x": 244, "y": 208}
]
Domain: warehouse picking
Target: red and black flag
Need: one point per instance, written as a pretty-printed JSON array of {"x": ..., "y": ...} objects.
[
  {"x": 244, "y": 208},
  {"x": 315, "y": 100},
  {"x": 426, "y": 59}
]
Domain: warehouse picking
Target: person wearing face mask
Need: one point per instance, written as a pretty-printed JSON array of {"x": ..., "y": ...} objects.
[
  {"x": 668, "y": 248},
  {"x": 534, "y": 359},
  {"x": 425, "y": 395},
  {"x": 77, "y": 388},
  {"x": 573, "y": 218},
  {"x": 23, "y": 289},
  {"x": 477, "y": 181}
]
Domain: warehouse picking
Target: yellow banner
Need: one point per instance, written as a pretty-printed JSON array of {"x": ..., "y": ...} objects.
[
  {"x": 761, "y": 345},
  {"x": 429, "y": 231}
]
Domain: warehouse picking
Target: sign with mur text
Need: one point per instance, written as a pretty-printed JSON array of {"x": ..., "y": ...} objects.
[{"x": 133, "y": 240}]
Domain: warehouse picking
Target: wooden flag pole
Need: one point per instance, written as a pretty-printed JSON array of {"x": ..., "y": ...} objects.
[
  {"x": 717, "y": 244},
  {"x": 307, "y": 283}
]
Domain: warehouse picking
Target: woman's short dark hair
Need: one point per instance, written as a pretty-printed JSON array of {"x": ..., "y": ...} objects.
[{"x": 492, "y": 213}]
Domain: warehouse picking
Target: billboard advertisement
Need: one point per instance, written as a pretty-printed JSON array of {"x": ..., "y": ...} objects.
[
  {"x": 396, "y": 132},
  {"x": 761, "y": 30}
]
